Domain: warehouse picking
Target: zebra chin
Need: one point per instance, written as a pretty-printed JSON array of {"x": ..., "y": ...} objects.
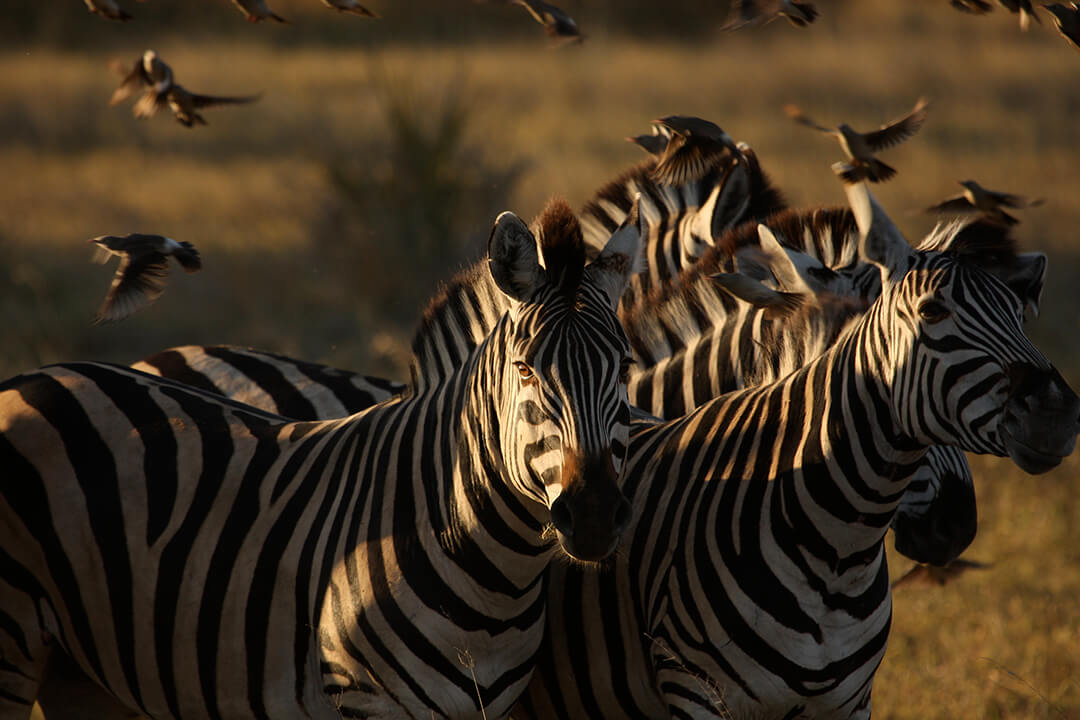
[{"x": 1039, "y": 426}]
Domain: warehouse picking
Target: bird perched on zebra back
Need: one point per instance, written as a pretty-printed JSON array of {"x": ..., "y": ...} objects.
[
  {"x": 759, "y": 12},
  {"x": 149, "y": 73},
  {"x": 140, "y": 277},
  {"x": 257, "y": 11},
  {"x": 185, "y": 105},
  {"x": 976, "y": 199},
  {"x": 974, "y": 7},
  {"x": 934, "y": 575},
  {"x": 1024, "y": 9},
  {"x": 860, "y": 147},
  {"x": 349, "y": 6},
  {"x": 107, "y": 9},
  {"x": 696, "y": 146},
  {"x": 1067, "y": 20}
]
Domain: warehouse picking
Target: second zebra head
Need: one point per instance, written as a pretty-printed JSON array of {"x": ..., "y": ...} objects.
[{"x": 563, "y": 379}]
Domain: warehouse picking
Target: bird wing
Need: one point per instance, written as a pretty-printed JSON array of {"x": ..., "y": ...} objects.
[
  {"x": 957, "y": 204},
  {"x": 148, "y": 105},
  {"x": 750, "y": 12},
  {"x": 201, "y": 101},
  {"x": 533, "y": 9},
  {"x": 687, "y": 159},
  {"x": 796, "y": 114},
  {"x": 1010, "y": 200},
  {"x": 898, "y": 130},
  {"x": 135, "y": 78},
  {"x": 139, "y": 280}
]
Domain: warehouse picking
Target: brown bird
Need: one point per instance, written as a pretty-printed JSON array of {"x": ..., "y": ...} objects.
[
  {"x": 860, "y": 147},
  {"x": 935, "y": 575},
  {"x": 257, "y": 10},
  {"x": 149, "y": 73},
  {"x": 976, "y": 199},
  {"x": 1023, "y": 7},
  {"x": 758, "y": 12},
  {"x": 185, "y": 105},
  {"x": 974, "y": 7},
  {"x": 349, "y": 6},
  {"x": 107, "y": 9},
  {"x": 144, "y": 265},
  {"x": 695, "y": 148},
  {"x": 1067, "y": 19},
  {"x": 556, "y": 22}
]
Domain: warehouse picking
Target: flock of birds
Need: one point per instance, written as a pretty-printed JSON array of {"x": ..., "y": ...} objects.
[
  {"x": 743, "y": 13},
  {"x": 686, "y": 147}
]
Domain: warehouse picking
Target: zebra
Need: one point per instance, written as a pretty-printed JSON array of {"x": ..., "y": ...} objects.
[
  {"x": 198, "y": 557},
  {"x": 756, "y": 585}
]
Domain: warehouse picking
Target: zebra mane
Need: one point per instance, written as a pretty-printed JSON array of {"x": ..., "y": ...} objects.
[
  {"x": 982, "y": 243},
  {"x": 615, "y": 192},
  {"x": 466, "y": 308}
]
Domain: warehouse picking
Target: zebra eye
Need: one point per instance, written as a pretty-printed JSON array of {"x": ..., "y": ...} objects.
[
  {"x": 933, "y": 311},
  {"x": 524, "y": 370},
  {"x": 624, "y": 370}
]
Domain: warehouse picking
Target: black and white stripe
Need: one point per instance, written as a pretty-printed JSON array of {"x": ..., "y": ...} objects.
[
  {"x": 756, "y": 585},
  {"x": 201, "y": 558}
]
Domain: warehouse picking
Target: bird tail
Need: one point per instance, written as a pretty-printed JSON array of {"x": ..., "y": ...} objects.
[
  {"x": 850, "y": 174},
  {"x": 188, "y": 257},
  {"x": 877, "y": 171}
]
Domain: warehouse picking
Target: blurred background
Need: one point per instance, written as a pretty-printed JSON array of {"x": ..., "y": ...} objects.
[{"x": 381, "y": 151}]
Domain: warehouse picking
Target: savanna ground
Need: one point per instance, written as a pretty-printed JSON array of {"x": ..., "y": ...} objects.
[{"x": 381, "y": 151}]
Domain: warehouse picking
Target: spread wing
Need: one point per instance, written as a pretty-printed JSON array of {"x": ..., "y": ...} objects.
[
  {"x": 201, "y": 101},
  {"x": 139, "y": 281},
  {"x": 899, "y": 130},
  {"x": 955, "y": 205},
  {"x": 795, "y": 113},
  {"x": 135, "y": 79}
]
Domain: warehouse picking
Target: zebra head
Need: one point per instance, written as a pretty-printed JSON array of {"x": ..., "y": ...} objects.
[
  {"x": 565, "y": 409},
  {"x": 964, "y": 373}
]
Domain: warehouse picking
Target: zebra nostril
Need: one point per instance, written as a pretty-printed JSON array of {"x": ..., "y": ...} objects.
[
  {"x": 561, "y": 517},
  {"x": 622, "y": 515}
]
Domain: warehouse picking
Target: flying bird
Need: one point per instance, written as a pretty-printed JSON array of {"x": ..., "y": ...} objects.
[
  {"x": 556, "y": 22},
  {"x": 695, "y": 148},
  {"x": 758, "y": 12},
  {"x": 257, "y": 10},
  {"x": 1067, "y": 19},
  {"x": 185, "y": 105},
  {"x": 974, "y": 7},
  {"x": 1023, "y": 7},
  {"x": 976, "y": 199},
  {"x": 935, "y": 575},
  {"x": 860, "y": 147},
  {"x": 149, "y": 73},
  {"x": 349, "y": 6},
  {"x": 107, "y": 9},
  {"x": 144, "y": 265}
]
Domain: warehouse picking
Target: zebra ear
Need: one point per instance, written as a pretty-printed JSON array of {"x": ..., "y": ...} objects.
[
  {"x": 780, "y": 263},
  {"x": 775, "y": 303},
  {"x": 513, "y": 258},
  {"x": 880, "y": 241},
  {"x": 1025, "y": 276},
  {"x": 621, "y": 257}
]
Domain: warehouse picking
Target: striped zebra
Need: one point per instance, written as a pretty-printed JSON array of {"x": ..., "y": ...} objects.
[
  {"x": 756, "y": 585},
  {"x": 200, "y": 558}
]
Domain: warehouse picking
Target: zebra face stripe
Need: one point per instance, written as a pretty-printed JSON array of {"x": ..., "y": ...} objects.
[
  {"x": 567, "y": 397},
  {"x": 967, "y": 375}
]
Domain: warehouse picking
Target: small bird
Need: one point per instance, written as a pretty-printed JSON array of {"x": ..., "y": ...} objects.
[
  {"x": 758, "y": 12},
  {"x": 349, "y": 6},
  {"x": 695, "y": 148},
  {"x": 149, "y": 72},
  {"x": 107, "y": 9},
  {"x": 860, "y": 147},
  {"x": 1067, "y": 19},
  {"x": 557, "y": 24},
  {"x": 185, "y": 105},
  {"x": 1023, "y": 7},
  {"x": 987, "y": 203},
  {"x": 974, "y": 7},
  {"x": 140, "y": 277},
  {"x": 935, "y": 575},
  {"x": 257, "y": 10}
]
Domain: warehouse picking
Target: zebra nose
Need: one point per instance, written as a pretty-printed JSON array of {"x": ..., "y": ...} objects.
[{"x": 589, "y": 530}]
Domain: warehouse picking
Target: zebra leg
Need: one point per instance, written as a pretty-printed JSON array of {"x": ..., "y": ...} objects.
[
  {"x": 23, "y": 653},
  {"x": 66, "y": 693}
]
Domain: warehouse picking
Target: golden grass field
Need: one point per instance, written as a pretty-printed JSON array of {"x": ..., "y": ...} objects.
[{"x": 372, "y": 167}]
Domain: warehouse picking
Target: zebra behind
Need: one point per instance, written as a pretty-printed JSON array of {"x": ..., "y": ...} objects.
[
  {"x": 200, "y": 558},
  {"x": 757, "y": 585}
]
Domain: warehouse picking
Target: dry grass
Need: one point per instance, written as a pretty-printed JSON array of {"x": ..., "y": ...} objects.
[{"x": 299, "y": 205}]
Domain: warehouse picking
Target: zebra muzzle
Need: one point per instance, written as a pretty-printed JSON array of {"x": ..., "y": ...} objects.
[
  {"x": 590, "y": 514},
  {"x": 1040, "y": 423}
]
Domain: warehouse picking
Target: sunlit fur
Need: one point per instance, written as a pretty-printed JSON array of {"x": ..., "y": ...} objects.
[
  {"x": 200, "y": 558},
  {"x": 757, "y": 582}
]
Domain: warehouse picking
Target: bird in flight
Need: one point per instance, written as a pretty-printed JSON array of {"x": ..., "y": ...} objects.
[
  {"x": 759, "y": 12},
  {"x": 695, "y": 148},
  {"x": 975, "y": 199},
  {"x": 1067, "y": 20},
  {"x": 144, "y": 265},
  {"x": 257, "y": 11}
]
